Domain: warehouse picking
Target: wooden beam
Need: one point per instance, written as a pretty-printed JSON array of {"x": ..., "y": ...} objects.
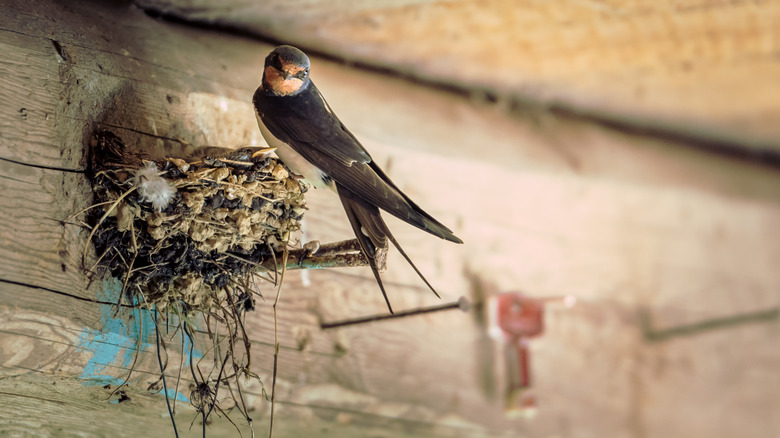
[{"x": 547, "y": 204}]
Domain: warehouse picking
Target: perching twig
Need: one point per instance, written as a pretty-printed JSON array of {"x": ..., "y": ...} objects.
[
  {"x": 344, "y": 254},
  {"x": 345, "y": 246}
]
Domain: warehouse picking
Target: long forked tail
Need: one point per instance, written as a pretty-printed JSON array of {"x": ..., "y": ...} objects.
[{"x": 373, "y": 235}]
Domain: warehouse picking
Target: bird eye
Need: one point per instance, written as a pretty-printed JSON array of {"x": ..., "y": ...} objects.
[{"x": 302, "y": 74}]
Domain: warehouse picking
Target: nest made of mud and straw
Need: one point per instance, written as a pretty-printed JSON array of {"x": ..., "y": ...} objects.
[{"x": 220, "y": 220}]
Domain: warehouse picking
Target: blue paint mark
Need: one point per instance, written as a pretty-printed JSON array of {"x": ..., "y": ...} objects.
[
  {"x": 114, "y": 345},
  {"x": 172, "y": 393}
]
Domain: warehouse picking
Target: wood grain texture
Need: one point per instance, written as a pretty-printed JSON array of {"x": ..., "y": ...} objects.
[
  {"x": 698, "y": 69},
  {"x": 84, "y": 82},
  {"x": 630, "y": 224},
  {"x": 56, "y": 406}
]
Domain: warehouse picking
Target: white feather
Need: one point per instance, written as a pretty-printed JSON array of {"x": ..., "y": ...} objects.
[{"x": 153, "y": 188}]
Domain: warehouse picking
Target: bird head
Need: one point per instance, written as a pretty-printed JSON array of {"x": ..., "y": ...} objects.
[{"x": 286, "y": 71}]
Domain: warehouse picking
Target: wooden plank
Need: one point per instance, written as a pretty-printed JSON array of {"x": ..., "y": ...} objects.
[
  {"x": 557, "y": 205},
  {"x": 633, "y": 64},
  {"x": 37, "y": 248},
  {"x": 29, "y": 112},
  {"x": 126, "y": 97},
  {"x": 60, "y": 404}
]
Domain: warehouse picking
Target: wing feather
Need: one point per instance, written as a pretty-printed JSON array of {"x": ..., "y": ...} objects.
[
  {"x": 306, "y": 123},
  {"x": 305, "y": 120}
]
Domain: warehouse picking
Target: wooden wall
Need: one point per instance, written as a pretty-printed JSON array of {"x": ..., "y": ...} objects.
[{"x": 670, "y": 249}]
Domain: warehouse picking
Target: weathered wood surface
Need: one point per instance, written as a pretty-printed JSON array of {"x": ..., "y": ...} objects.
[
  {"x": 703, "y": 69},
  {"x": 70, "y": 70},
  {"x": 558, "y": 206}
]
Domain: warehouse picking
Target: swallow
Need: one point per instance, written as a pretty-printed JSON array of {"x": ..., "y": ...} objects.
[{"x": 311, "y": 140}]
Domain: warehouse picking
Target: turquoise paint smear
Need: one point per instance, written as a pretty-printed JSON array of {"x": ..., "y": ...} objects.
[
  {"x": 172, "y": 393},
  {"x": 114, "y": 345}
]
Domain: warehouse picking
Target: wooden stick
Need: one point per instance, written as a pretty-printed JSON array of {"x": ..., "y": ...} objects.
[
  {"x": 462, "y": 304},
  {"x": 344, "y": 254}
]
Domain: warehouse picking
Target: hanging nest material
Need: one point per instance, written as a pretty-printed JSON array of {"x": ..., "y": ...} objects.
[
  {"x": 185, "y": 237},
  {"x": 180, "y": 231}
]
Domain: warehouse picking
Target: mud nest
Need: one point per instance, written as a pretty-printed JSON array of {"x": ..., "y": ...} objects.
[{"x": 181, "y": 230}]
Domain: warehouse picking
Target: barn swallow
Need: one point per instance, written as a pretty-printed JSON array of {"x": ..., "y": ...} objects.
[{"x": 296, "y": 120}]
